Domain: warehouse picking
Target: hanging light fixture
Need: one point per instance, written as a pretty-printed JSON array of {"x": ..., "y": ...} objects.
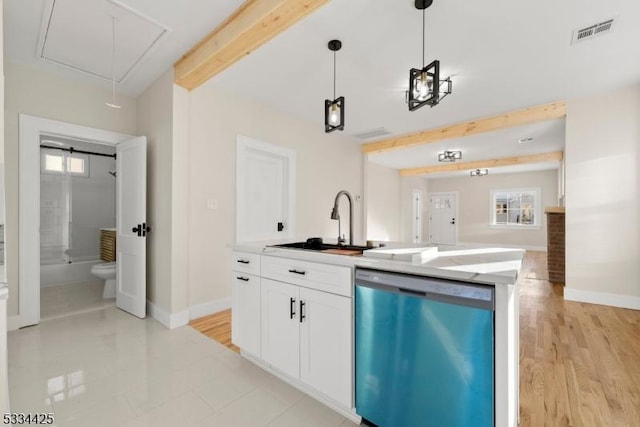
[
  {"x": 113, "y": 104},
  {"x": 334, "y": 110},
  {"x": 425, "y": 86},
  {"x": 479, "y": 172},
  {"x": 449, "y": 156}
]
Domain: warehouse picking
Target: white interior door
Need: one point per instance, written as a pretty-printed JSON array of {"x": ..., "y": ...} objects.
[
  {"x": 443, "y": 218},
  {"x": 264, "y": 191},
  {"x": 417, "y": 216},
  {"x": 131, "y": 207}
]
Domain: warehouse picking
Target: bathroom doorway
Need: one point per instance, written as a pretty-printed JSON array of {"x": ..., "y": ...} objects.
[
  {"x": 130, "y": 215},
  {"x": 77, "y": 223}
]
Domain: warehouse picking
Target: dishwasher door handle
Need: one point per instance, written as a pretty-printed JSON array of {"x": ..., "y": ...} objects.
[{"x": 412, "y": 292}]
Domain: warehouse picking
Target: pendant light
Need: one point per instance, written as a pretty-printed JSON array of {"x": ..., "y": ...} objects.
[
  {"x": 113, "y": 104},
  {"x": 425, "y": 86},
  {"x": 334, "y": 110}
]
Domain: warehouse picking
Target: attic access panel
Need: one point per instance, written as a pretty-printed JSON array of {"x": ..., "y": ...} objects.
[{"x": 78, "y": 34}]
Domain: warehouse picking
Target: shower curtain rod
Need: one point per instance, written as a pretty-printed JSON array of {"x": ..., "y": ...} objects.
[{"x": 73, "y": 150}]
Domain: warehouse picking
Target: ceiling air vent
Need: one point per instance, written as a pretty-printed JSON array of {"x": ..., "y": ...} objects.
[
  {"x": 373, "y": 133},
  {"x": 587, "y": 33}
]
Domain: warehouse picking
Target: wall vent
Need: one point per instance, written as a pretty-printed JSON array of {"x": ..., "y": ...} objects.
[
  {"x": 373, "y": 133},
  {"x": 587, "y": 33}
]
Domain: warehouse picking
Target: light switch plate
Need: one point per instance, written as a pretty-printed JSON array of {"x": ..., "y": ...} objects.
[{"x": 212, "y": 204}]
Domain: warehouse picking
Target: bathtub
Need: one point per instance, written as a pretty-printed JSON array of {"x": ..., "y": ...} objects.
[{"x": 62, "y": 274}]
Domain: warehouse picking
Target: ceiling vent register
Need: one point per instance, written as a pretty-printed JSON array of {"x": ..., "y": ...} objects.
[
  {"x": 587, "y": 33},
  {"x": 373, "y": 133}
]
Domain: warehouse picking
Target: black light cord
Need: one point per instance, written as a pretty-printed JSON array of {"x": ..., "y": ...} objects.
[
  {"x": 334, "y": 74},
  {"x": 423, "y": 34}
]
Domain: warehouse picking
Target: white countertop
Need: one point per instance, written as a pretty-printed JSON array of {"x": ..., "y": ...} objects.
[{"x": 489, "y": 265}]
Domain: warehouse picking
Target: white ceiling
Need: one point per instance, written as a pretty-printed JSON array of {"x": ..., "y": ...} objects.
[
  {"x": 502, "y": 55},
  {"x": 80, "y": 32}
]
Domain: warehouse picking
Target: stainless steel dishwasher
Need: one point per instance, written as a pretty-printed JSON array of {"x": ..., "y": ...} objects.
[{"x": 424, "y": 351}]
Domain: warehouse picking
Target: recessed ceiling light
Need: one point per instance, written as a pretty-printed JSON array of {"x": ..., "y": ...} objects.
[{"x": 525, "y": 140}]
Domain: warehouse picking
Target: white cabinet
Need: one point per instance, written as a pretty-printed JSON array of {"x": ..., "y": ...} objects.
[
  {"x": 325, "y": 344},
  {"x": 295, "y": 317},
  {"x": 280, "y": 328},
  {"x": 245, "y": 315},
  {"x": 307, "y": 335}
]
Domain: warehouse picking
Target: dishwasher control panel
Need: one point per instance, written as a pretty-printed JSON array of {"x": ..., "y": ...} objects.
[{"x": 449, "y": 291}]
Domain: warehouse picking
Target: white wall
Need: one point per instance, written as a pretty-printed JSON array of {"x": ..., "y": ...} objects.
[
  {"x": 155, "y": 121},
  {"x": 383, "y": 203},
  {"x": 325, "y": 163},
  {"x": 474, "y": 206},
  {"x": 53, "y": 97},
  {"x": 602, "y": 199}
]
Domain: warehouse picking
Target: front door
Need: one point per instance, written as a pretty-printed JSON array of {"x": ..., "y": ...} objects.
[
  {"x": 442, "y": 218},
  {"x": 131, "y": 223}
]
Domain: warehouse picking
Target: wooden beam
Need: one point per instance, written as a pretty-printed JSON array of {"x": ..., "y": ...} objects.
[
  {"x": 481, "y": 164},
  {"x": 502, "y": 121},
  {"x": 249, "y": 27}
]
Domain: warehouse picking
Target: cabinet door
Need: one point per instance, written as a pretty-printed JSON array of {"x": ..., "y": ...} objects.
[
  {"x": 325, "y": 344},
  {"x": 245, "y": 315},
  {"x": 280, "y": 328}
]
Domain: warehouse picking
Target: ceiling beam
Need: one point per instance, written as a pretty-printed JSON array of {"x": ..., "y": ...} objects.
[
  {"x": 249, "y": 27},
  {"x": 502, "y": 121},
  {"x": 482, "y": 164}
]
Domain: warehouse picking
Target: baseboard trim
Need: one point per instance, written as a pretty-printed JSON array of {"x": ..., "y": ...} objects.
[
  {"x": 207, "y": 308},
  {"x": 13, "y": 323},
  {"x": 602, "y": 298},
  {"x": 168, "y": 320},
  {"x": 499, "y": 245}
]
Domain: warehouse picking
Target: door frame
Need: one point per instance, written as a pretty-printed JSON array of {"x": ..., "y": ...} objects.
[
  {"x": 244, "y": 142},
  {"x": 30, "y": 130},
  {"x": 456, "y": 195}
]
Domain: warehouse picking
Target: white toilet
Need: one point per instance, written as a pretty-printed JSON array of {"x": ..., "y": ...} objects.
[{"x": 107, "y": 272}]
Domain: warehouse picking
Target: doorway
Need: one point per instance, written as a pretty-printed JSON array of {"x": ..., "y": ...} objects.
[
  {"x": 443, "y": 218},
  {"x": 265, "y": 191},
  {"x": 32, "y": 129},
  {"x": 77, "y": 207}
]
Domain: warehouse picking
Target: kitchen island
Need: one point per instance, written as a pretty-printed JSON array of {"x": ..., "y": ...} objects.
[{"x": 293, "y": 313}]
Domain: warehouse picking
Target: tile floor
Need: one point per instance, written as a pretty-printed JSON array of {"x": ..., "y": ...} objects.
[
  {"x": 74, "y": 298},
  {"x": 106, "y": 368}
]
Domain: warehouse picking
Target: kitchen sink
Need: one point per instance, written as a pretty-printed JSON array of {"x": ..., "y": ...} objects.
[{"x": 318, "y": 246}]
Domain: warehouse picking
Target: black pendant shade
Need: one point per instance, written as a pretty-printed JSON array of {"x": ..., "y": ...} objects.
[
  {"x": 334, "y": 114},
  {"x": 425, "y": 86},
  {"x": 334, "y": 109},
  {"x": 421, "y": 83}
]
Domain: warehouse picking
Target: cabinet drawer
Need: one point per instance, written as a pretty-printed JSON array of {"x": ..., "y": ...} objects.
[
  {"x": 245, "y": 262},
  {"x": 323, "y": 277}
]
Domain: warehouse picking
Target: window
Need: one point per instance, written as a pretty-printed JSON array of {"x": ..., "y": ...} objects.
[
  {"x": 515, "y": 208},
  {"x": 52, "y": 161}
]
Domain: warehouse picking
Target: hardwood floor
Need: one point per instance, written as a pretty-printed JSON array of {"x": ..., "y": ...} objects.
[
  {"x": 216, "y": 326},
  {"x": 579, "y": 363}
]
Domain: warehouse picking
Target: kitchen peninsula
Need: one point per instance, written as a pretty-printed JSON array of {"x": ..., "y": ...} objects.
[{"x": 294, "y": 313}]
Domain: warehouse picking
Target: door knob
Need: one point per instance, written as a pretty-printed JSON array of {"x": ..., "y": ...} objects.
[
  {"x": 453, "y": 221},
  {"x": 141, "y": 229}
]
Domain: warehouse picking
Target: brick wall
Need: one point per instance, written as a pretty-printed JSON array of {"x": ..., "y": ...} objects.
[{"x": 555, "y": 246}]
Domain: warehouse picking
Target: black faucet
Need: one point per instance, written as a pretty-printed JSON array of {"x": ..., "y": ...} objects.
[{"x": 336, "y": 215}]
